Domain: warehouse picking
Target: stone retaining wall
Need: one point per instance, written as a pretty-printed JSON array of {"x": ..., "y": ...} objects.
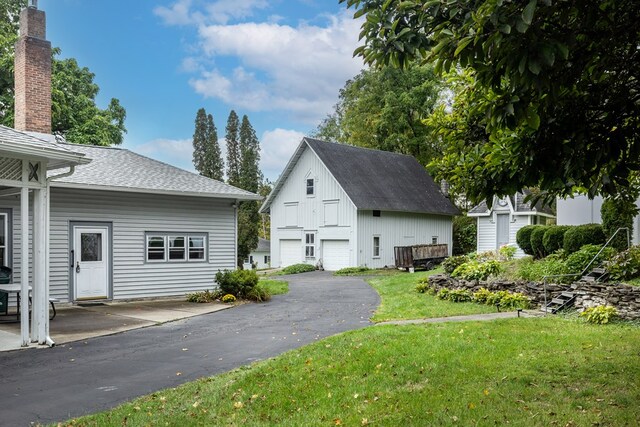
[{"x": 625, "y": 298}]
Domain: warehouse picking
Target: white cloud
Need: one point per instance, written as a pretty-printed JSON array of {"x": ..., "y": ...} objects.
[
  {"x": 298, "y": 69},
  {"x": 176, "y": 14},
  {"x": 277, "y": 147},
  {"x": 222, "y": 11},
  {"x": 178, "y": 152}
]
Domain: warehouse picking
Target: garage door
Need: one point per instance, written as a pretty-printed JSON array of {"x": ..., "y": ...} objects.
[
  {"x": 290, "y": 252},
  {"x": 335, "y": 254}
]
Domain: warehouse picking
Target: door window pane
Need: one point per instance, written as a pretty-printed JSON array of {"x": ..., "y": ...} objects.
[{"x": 90, "y": 247}]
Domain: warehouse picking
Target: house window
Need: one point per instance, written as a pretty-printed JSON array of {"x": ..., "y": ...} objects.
[
  {"x": 309, "y": 245},
  {"x": 434, "y": 240},
  {"x": 267, "y": 259},
  {"x": 376, "y": 246},
  {"x": 376, "y": 213},
  {"x": 172, "y": 247},
  {"x": 4, "y": 231},
  {"x": 310, "y": 187}
]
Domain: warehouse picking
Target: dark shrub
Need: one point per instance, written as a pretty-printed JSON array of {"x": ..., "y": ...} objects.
[
  {"x": 553, "y": 238},
  {"x": 617, "y": 214},
  {"x": 536, "y": 241},
  {"x": 464, "y": 235},
  {"x": 580, "y": 235},
  {"x": 523, "y": 238},
  {"x": 579, "y": 260},
  {"x": 453, "y": 262},
  {"x": 625, "y": 265},
  {"x": 238, "y": 282},
  {"x": 298, "y": 268}
]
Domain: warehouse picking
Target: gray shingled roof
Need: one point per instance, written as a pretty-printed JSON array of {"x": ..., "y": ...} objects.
[
  {"x": 377, "y": 180},
  {"x": 119, "y": 169},
  {"x": 518, "y": 203},
  {"x": 264, "y": 245},
  {"x": 17, "y": 142}
]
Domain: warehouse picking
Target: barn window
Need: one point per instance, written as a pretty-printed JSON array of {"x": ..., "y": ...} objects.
[
  {"x": 309, "y": 245},
  {"x": 310, "y": 187},
  {"x": 434, "y": 240},
  {"x": 376, "y": 213},
  {"x": 376, "y": 246}
]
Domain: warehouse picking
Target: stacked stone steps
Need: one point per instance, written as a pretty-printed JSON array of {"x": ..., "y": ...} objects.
[{"x": 560, "y": 302}]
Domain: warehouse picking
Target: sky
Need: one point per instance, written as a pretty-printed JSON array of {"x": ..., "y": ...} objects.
[{"x": 280, "y": 62}]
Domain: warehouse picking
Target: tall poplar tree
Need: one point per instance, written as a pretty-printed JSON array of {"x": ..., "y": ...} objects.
[
  {"x": 200, "y": 141},
  {"x": 233, "y": 149},
  {"x": 214, "y": 164},
  {"x": 249, "y": 179}
]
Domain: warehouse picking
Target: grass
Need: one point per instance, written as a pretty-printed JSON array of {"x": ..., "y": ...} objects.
[
  {"x": 275, "y": 287},
  {"x": 401, "y": 301},
  {"x": 364, "y": 271},
  {"x": 524, "y": 372}
]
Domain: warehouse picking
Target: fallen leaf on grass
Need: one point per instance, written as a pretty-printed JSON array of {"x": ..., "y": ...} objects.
[
  {"x": 238, "y": 405},
  {"x": 337, "y": 422}
]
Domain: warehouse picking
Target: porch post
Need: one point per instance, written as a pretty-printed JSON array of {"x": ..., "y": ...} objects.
[
  {"x": 24, "y": 265},
  {"x": 39, "y": 266}
]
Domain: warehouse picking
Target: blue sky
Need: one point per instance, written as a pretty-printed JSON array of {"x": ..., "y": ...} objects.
[{"x": 281, "y": 62}]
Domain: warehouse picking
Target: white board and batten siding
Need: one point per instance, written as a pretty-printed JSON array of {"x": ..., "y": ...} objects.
[
  {"x": 328, "y": 214},
  {"x": 398, "y": 229},
  {"x": 131, "y": 216}
]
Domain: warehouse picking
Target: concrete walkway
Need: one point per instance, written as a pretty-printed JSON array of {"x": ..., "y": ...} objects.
[
  {"x": 73, "y": 323},
  {"x": 92, "y": 375}
]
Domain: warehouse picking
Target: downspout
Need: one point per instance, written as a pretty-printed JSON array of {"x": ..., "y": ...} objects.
[{"x": 48, "y": 340}]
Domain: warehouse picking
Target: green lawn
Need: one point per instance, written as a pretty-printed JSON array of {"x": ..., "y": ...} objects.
[
  {"x": 399, "y": 300},
  {"x": 524, "y": 372},
  {"x": 275, "y": 287}
]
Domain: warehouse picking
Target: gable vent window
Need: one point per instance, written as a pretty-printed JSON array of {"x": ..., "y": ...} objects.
[
  {"x": 310, "y": 245},
  {"x": 310, "y": 187},
  {"x": 376, "y": 213}
]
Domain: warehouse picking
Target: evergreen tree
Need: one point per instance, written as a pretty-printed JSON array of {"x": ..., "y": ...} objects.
[
  {"x": 200, "y": 141},
  {"x": 214, "y": 164},
  {"x": 233, "y": 150},
  {"x": 249, "y": 178}
]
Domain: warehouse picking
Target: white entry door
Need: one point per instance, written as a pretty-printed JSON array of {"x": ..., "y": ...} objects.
[
  {"x": 502, "y": 230},
  {"x": 91, "y": 262}
]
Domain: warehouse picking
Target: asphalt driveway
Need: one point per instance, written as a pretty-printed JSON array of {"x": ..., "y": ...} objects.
[{"x": 83, "y": 377}]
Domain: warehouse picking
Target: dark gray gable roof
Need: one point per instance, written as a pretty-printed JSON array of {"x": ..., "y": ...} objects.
[
  {"x": 264, "y": 245},
  {"x": 380, "y": 180},
  {"x": 119, "y": 169},
  {"x": 518, "y": 203}
]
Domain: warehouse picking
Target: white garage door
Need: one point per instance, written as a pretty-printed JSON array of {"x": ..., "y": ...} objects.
[
  {"x": 290, "y": 252},
  {"x": 335, "y": 254}
]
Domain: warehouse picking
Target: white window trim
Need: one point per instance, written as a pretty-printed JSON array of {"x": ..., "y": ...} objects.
[
  {"x": 7, "y": 240},
  {"x": 310, "y": 245},
  {"x": 373, "y": 247},
  {"x": 166, "y": 236},
  {"x": 306, "y": 186}
]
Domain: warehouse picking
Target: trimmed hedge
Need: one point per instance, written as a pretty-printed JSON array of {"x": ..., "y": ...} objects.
[
  {"x": 580, "y": 235},
  {"x": 523, "y": 238},
  {"x": 554, "y": 238},
  {"x": 617, "y": 214},
  {"x": 537, "y": 236}
]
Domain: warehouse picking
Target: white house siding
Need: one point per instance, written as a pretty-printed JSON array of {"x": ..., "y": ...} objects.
[
  {"x": 398, "y": 229},
  {"x": 486, "y": 234},
  {"x": 131, "y": 215},
  {"x": 311, "y": 210},
  {"x": 517, "y": 222}
]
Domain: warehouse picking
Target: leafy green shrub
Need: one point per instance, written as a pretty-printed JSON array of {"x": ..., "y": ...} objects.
[
  {"x": 237, "y": 282},
  {"x": 476, "y": 270},
  {"x": 422, "y": 287},
  {"x": 514, "y": 300},
  {"x": 481, "y": 295},
  {"x": 459, "y": 295},
  {"x": 625, "y": 265},
  {"x": 578, "y": 261},
  {"x": 228, "y": 298},
  {"x": 443, "y": 293},
  {"x": 298, "y": 268},
  {"x": 580, "y": 235},
  {"x": 600, "y": 314},
  {"x": 507, "y": 252},
  {"x": 259, "y": 293},
  {"x": 464, "y": 235},
  {"x": 453, "y": 262},
  {"x": 347, "y": 271},
  {"x": 204, "y": 297},
  {"x": 523, "y": 238},
  {"x": 553, "y": 238},
  {"x": 496, "y": 297},
  {"x": 617, "y": 213},
  {"x": 537, "y": 235}
]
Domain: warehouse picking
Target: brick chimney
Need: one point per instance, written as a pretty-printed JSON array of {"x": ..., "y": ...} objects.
[{"x": 33, "y": 73}]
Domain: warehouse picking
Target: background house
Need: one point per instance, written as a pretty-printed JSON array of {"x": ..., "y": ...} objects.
[
  {"x": 260, "y": 257},
  {"x": 343, "y": 206},
  {"x": 498, "y": 225},
  {"x": 582, "y": 210}
]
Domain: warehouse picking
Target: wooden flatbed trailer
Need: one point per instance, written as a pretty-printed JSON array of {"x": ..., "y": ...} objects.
[{"x": 426, "y": 256}]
